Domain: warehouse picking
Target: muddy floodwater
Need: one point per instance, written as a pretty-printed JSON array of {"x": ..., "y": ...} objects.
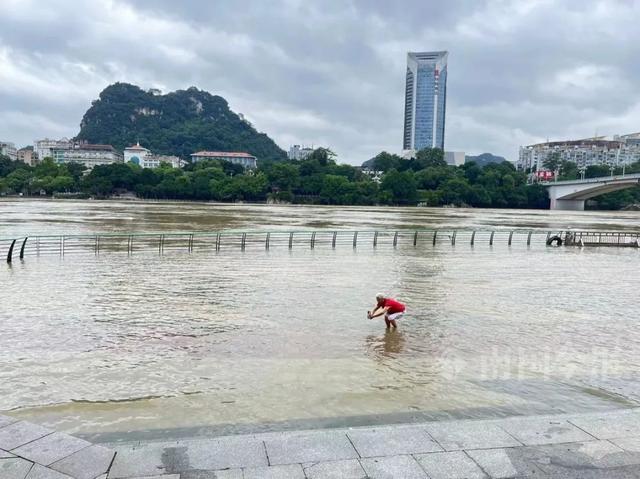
[{"x": 225, "y": 341}]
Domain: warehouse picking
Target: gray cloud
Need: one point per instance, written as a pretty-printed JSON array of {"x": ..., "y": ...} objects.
[{"x": 332, "y": 72}]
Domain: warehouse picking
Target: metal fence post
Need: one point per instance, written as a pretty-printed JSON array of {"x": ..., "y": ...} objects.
[
  {"x": 10, "y": 253},
  {"x": 24, "y": 243}
]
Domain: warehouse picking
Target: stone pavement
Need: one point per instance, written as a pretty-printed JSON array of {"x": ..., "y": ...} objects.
[
  {"x": 585, "y": 446},
  {"x": 29, "y": 451}
]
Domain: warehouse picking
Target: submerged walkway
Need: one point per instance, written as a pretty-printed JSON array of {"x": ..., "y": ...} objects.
[{"x": 597, "y": 445}]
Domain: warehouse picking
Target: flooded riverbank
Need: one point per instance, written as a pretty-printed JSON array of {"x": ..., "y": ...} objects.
[{"x": 115, "y": 343}]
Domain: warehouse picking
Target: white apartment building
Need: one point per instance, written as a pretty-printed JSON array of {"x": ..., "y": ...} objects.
[
  {"x": 43, "y": 148},
  {"x": 87, "y": 154},
  {"x": 238, "y": 158},
  {"x": 297, "y": 152},
  {"x": 140, "y": 155},
  {"x": 622, "y": 150},
  {"x": 8, "y": 149}
]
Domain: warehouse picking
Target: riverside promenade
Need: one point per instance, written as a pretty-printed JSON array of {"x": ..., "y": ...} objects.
[{"x": 594, "y": 445}]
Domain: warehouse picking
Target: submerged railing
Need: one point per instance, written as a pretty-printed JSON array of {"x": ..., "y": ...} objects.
[
  {"x": 131, "y": 243},
  {"x": 602, "y": 238}
]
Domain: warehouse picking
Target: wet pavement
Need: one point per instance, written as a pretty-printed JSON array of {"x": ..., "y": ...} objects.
[{"x": 594, "y": 445}]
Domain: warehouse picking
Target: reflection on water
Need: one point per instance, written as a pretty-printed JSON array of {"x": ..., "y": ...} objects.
[
  {"x": 389, "y": 345},
  {"x": 117, "y": 343}
]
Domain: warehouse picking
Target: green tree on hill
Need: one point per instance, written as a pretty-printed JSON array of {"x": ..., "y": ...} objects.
[{"x": 178, "y": 123}]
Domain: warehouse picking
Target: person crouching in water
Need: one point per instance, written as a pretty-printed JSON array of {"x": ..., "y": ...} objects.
[{"x": 393, "y": 310}]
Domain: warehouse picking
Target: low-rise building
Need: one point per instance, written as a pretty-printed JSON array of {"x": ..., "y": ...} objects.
[
  {"x": 454, "y": 158},
  {"x": 238, "y": 158},
  {"x": 87, "y": 154},
  {"x": 297, "y": 152},
  {"x": 27, "y": 155},
  {"x": 8, "y": 149},
  {"x": 139, "y": 155},
  {"x": 622, "y": 150},
  {"x": 43, "y": 148}
]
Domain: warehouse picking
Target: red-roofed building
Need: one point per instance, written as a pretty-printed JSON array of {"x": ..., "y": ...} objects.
[{"x": 244, "y": 159}]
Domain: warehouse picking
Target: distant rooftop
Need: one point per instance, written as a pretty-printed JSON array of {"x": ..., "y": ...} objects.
[
  {"x": 428, "y": 56},
  {"x": 228, "y": 154},
  {"x": 583, "y": 142},
  {"x": 137, "y": 147},
  {"x": 630, "y": 136},
  {"x": 89, "y": 146},
  {"x": 616, "y": 142}
]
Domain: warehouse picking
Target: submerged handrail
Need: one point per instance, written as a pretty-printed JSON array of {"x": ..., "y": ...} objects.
[{"x": 189, "y": 241}]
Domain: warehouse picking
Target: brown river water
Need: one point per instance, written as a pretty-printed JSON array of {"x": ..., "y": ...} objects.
[{"x": 114, "y": 346}]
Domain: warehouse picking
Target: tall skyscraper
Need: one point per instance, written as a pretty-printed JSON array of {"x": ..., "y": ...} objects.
[{"x": 425, "y": 100}]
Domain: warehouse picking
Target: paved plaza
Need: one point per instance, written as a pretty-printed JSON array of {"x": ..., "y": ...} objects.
[{"x": 595, "y": 445}]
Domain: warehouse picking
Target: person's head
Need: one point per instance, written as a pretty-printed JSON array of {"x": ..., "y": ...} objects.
[{"x": 380, "y": 298}]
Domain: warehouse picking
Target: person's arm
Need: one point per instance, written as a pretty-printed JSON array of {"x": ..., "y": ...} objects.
[{"x": 379, "y": 312}]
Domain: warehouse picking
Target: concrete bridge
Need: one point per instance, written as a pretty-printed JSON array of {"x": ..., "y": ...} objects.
[{"x": 571, "y": 195}]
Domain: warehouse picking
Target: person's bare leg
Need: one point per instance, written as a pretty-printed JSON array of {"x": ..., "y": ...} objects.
[
  {"x": 388, "y": 323},
  {"x": 393, "y": 323}
]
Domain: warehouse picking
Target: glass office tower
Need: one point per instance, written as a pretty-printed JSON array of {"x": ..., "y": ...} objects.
[{"x": 425, "y": 100}]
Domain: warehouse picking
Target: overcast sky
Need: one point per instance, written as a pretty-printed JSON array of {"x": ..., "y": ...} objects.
[{"x": 331, "y": 72}]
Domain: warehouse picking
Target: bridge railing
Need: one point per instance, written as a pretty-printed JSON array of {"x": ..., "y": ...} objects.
[{"x": 189, "y": 242}]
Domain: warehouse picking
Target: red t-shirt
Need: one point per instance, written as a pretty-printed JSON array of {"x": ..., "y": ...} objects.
[{"x": 393, "y": 305}]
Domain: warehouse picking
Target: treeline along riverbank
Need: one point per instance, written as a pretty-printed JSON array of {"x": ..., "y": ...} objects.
[{"x": 319, "y": 179}]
